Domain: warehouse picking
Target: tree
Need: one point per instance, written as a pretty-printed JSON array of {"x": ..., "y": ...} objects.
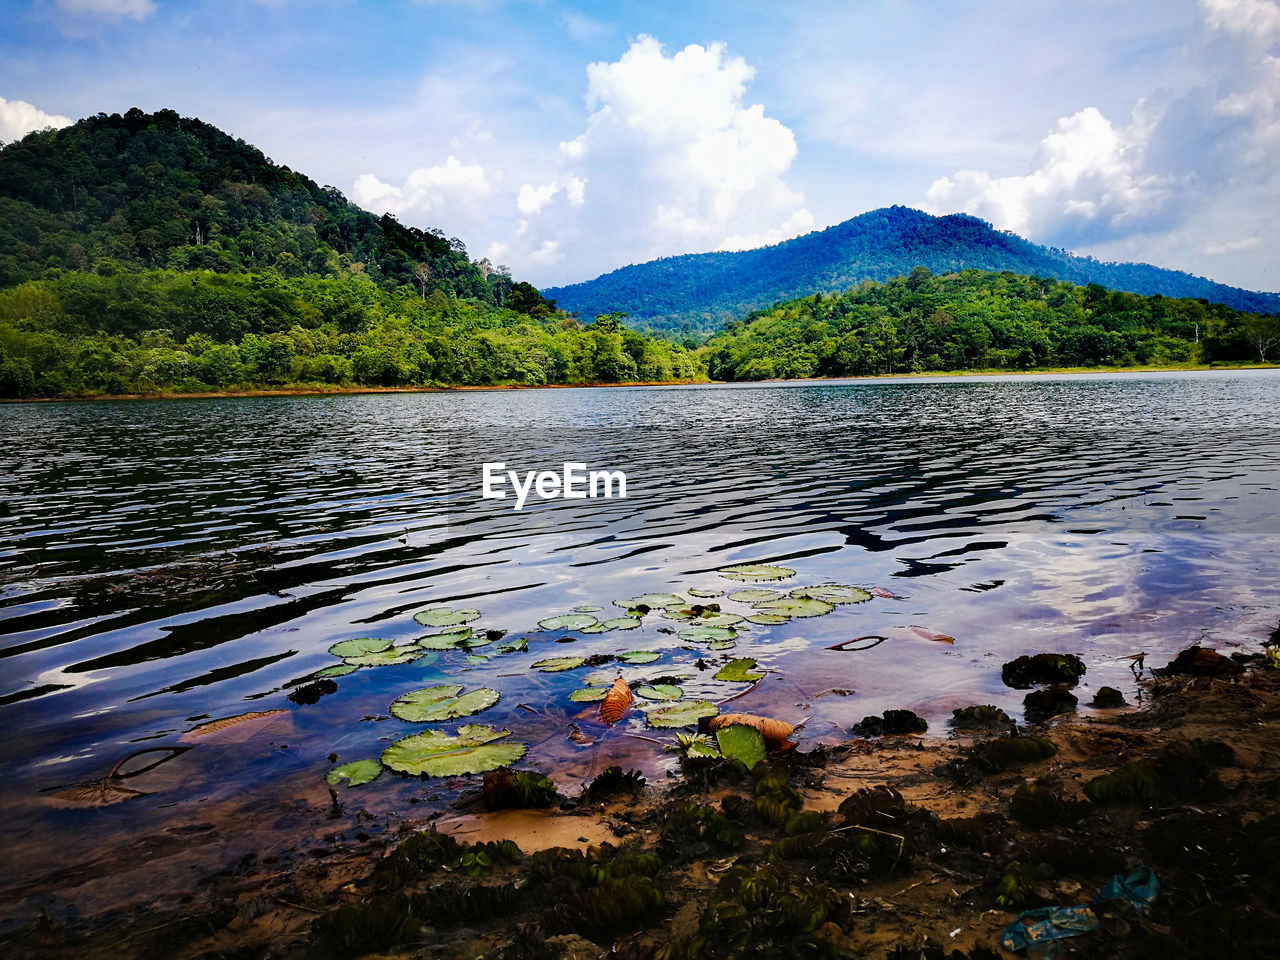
[
  {"x": 1263, "y": 333},
  {"x": 422, "y": 273}
]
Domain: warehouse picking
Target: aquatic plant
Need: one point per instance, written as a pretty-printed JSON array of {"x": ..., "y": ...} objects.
[
  {"x": 740, "y": 742},
  {"x": 707, "y": 634},
  {"x": 356, "y": 773},
  {"x": 755, "y": 595},
  {"x": 1108, "y": 698},
  {"x": 1043, "y": 668},
  {"x": 639, "y": 656},
  {"x": 435, "y": 753},
  {"x": 704, "y": 594},
  {"x": 775, "y": 731},
  {"x": 835, "y": 593},
  {"x": 660, "y": 691},
  {"x": 738, "y": 671},
  {"x": 681, "y": 714},
  {"x": 755, "y": 572},
  {"x": 795, "y": 607},
  {"x": 558, "y": 664},
  {"x": 359, "y": 646},
  {"x": 892, "y": 722},
  {"x": 617, "y": 623},
  {"x": 445, "y": 616},
  {"x": 981, "y": 717},
  {"x": 447, "y": 640},
  {"x": 443, "y": 702},
  {"x": 1041, "y": 705},
  {"x": 649, "y": 601},
  {"x": 1037, "y": 806},
  {"x": 588, "y": 694},
  {"x": 337, "y": 670},
  {"x": 505, "y": 788},
  {"x": 308, "y": 693},
  {"x": 567, "y": 621},
  {"x": 768, "y": 619},
  {"x": 614, "y": 781}
]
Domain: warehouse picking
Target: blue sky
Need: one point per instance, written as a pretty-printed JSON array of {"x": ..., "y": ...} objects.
[{"x": 568, "y": 138}]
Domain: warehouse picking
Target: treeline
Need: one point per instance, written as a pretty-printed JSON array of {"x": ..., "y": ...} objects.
[
  {"x": 121, "y": 332},
  {"x": 974, "y": 320}
]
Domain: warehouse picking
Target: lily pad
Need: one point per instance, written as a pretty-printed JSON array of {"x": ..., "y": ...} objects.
[
  {"x": 754, "y": 595},
  {"x": 739, "y": 671},
  {"x": 740, "y": 742},
  {"x": 356, "y": 773},
  {"x": 705, "y": 594},
  {"x": 448, "y": 640},
  {"x": 796, "y": 607},
  {"x": 639, "y": 656},
  {"x": 515, "y": 646},
  {"x": 434, "y": 753},
  {"x": 650, "y": 600},
  {"x": 385, "y": 658},
  {"x": 767, "y": 619},
  {"x": 359, "y": 647},
  {"x": 337, "y": 670},
  {"x": 682, "y": 714},
  {"x": 706, "y": 634},
  {"x": 588, "y": 694},
  {"x": 567, "y": 621},
  {"x": 755, "y": 572},
  {"x": 678, "y": 611},
  {"x": 722, "y": 644},
  {"x": 442, "y": 702},
  {"x": 559, "y": 664},
  {"x": 445, "y": 616},
  {"x": 697, "y": 745},
  {"x": 476, "y": 659},
  {"x": 721, "y": 620},
  {"x": 660, "y": 691},
  {"x": 617, "y": 623},
  {"x": 833, "y": 593},
  {"x": 587, "y": 608}
]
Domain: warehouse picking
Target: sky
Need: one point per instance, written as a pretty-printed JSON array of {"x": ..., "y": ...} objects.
[{"x": 566, "y": 139}]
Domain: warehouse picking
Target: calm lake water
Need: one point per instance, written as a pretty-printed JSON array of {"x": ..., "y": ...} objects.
[{"x": 168, "y": 563}]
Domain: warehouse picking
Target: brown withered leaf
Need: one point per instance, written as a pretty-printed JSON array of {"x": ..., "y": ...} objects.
[
  {"x": 616, "y": 703},
  {"x": 235, "y": 729},
  {"x": 775, "y": 731},
  {"x": 100, "y": 792}
]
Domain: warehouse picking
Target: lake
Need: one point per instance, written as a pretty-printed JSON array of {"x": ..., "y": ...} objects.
[{"x": 165, "y": 564}]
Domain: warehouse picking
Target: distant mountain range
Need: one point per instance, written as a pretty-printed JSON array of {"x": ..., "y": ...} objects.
[{"x": 702, "y": 291}]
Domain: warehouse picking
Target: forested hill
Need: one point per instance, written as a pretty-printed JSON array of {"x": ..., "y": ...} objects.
[
  {"x": 975, "y": 320},
  {"x": 701, "y": 291},
  {"x": 147, "y": 191}
]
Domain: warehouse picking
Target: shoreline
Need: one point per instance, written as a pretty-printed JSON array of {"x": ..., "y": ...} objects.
[
  {"x": 354, "y": 390},
  {"x": 959, "y": 847}
]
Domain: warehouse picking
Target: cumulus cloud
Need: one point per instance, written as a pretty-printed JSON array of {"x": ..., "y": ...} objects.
[
  {"x": 450, "y": 194},
  {"x": 672, "y": 160},
  {"x": 1092, "y": 181},
  {"x": 138, "y": 9},
  {"x": 18, "y": 118},
  {"x": 1233, "y": 246}
]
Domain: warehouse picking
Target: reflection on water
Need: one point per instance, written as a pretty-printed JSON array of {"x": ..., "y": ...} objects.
[{"x": 168, "y": 562}]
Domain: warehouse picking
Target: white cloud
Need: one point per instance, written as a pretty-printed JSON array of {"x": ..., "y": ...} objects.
[
  {"x": 1233, "y": 246},
  {"x": 1088, "y": 182},
  {"x": 138, "y": 9},
  {"x": 1259, "y": 18},
  {"x": 18, "y": 118},
  {"x": 450, "y": 194},
  {"x": 672, "y": 160}
]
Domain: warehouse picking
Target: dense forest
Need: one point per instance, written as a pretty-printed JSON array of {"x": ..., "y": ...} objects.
[
  {"x": 151, "y": 252},
  {"x": 975, "y": 320},
  {"x": 700, "y": 292}
]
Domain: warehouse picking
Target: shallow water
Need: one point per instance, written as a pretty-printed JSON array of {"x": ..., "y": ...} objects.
[{"x": 165, "y": 563}]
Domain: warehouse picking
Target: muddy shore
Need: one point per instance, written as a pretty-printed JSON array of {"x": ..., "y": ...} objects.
[{"x": 897, "y": 846}]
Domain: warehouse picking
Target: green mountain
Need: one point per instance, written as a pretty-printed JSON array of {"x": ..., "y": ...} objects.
[
  {"x": 979, "y": 320},
  {"x": 145, "y": 253},
  {"x": 702, "y": 291}
]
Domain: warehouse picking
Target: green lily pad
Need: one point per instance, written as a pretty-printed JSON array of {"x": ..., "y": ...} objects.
[
  {"x": 722, "y": 644},
  {"x": 721, "y": 620},
  {"x": 660, "y": 691},
  {"x": 705, "y": 594},
  {"x": 740, "y": 742},
  {"x": 767, "y": 619},
  {"x": 359, "y": 647},
  {"x": 515, "y": 646},
  {"x": 442, "y": 702},
  {"x": 434, "y": 753},
  {"x": 385, "y": 658},
  {"x": 356, "y": 773},
  {"x": 587, "y": 608},
  {"x": 739, "y": 671},
  {"x": 567, "y": 621},
  {"x": 448, "y": 640},
  {"x": 681, "y": 714},
  {"x": 638, "y": 656},
  {"x": 476, "y": 659},
  {"x": 617, "y": 623},
  {"x": 796, "y": 607},
  {"x": 588, "y": 694},
  {"x": 338, "y": 670},
  {"x": 445, "y": 616},
  {"x": 650, "y": 600},
  {"x": 678, "y": 612},
  {"x": 707, "y": 634},
  {"x": 558, "y": 664},
  {"x": 833, "y": 593},
  {"x": 755, "y": 572},
  {"x": 754, "y": 595}
]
